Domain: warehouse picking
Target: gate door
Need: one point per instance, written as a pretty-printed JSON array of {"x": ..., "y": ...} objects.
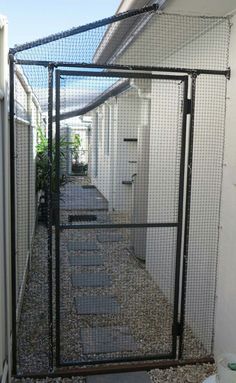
[{"x": 119, "y": 224}]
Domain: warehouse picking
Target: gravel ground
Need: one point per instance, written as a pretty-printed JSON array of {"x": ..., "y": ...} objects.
[
  {"x": 144, "y": 309},
  {"x": 186, "y": 374}
]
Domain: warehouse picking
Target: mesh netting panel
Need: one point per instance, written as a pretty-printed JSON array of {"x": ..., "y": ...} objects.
[
  {"x": 121, "y": 146},
  {"x": 117, "y": 284},
  {"x": 154, "y": 39},
  {"x": 31, "y": 235},
  {"x": 205, "y": 210}
]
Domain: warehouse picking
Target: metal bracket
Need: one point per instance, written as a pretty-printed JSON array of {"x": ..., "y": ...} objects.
[
  {"x": 195, "y": 74},
  {"x": 228, "y": 74},
  {"x": 178, "y": 329}
]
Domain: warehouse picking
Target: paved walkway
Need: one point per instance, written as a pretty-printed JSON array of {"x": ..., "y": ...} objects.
[{"x": 74, "y": 196}]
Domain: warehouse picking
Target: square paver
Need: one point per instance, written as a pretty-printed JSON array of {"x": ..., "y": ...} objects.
[
  {"x": 110, "y": 237},
  {"x": 129, "y": 377},
  {"x": 79, "y": 198},
  {"x": 96, "y": 305},
  {"x": 91, "y": 280},
  {"x": 86, "y": 260},
  {"x": 101, "y": 340},
  {"x": 82, "y": 246}
]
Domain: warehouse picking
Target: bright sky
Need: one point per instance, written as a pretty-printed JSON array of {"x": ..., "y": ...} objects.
[{"x": 31, "y": 19}]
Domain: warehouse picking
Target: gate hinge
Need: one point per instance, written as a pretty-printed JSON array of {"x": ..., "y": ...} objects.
[
  {"x": 178, "y": 329},
  {"x": 189, "y": 106}
]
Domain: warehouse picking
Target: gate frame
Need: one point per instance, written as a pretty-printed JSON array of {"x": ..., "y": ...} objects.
[
  {"x": 177, "y": 324},
  {"x": 193, "y": 74}
]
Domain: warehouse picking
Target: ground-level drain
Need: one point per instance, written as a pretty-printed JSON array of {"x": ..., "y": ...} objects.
[{"x": 82, "y": 218}]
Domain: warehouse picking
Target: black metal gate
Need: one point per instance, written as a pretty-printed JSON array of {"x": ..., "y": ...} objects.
[
  {"x": 103, "y": 258},
  {"x": 99, "y": 260}
]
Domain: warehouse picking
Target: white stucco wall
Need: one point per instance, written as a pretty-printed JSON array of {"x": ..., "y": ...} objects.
[
  {"x": 28, "y": 117},
  {"x": 103, "y": 178},
  {"x": 119, "y": 164},
  {"x": 225, "y": 335},
  {"x": 163, "y": 185},
  {"x": 5, "y": 323},
  {"x": 202, "y": 43},
  {"x": 128, "y": 122},
  {"x": 178, "y": 46}
]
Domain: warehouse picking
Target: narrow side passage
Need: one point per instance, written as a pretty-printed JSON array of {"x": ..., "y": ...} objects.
[{"x": 110, "y": 305}]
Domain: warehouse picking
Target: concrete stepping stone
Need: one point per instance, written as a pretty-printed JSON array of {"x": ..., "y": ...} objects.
[
  {"x": 129, "y": 377},
  {"x": 96, "y": 305},
  {"x": 86, "y": 260},
  {"x": 109, "y": 237},
  {"x": 99, "y": 340},
  {"x": 75, "y": 197},
  {"x": 91, "y": 280},
  {"x": 82, "y": 246}
]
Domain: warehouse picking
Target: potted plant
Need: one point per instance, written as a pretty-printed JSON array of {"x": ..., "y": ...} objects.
[{"x": 42, "y": 174}]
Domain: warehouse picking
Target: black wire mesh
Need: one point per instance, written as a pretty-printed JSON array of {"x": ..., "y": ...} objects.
[
  {"x": 205, "y": 210},
  {"x": 103, "y": 270},
  {"x": 153, "y": 39},
  {"x": 120, "y": 151},
  {"x": 31, "y": 235}
]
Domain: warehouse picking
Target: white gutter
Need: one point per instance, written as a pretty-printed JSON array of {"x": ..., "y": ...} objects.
[{"x": 126, "y": 5}]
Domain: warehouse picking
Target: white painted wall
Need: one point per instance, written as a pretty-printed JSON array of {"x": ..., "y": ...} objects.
[
  {"x": 201, "y": 44},
  {"x": 163, "y": 185},
  {"x": 28, "y": 117},
  {"x": 225, "y": 336},
  {"x": 102, "y": 180},
  {"x": 5, "y": 324},
  {"x": 120, "y": 164},
  {"x": 128, "y": 122}
]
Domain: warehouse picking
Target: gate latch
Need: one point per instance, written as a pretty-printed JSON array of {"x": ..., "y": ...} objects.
[{"x": 189, "y": 106}]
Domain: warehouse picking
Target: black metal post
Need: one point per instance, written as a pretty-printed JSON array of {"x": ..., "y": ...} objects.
[
  {"x": 190, "y": 71},
  {"x": 177, "y": 329},
  {"x": 117, "y": 226},
  {"x": 13, "y": 208},
  {"x": 49, "y": 214},
  {"x": 187, "y": 213},
  {"x": 57, "y": 222}
]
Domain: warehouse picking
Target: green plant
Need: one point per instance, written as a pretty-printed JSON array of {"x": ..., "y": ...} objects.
[
  {"x": 76, "y": 143},
  {"x": 42, "y": 162}
]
